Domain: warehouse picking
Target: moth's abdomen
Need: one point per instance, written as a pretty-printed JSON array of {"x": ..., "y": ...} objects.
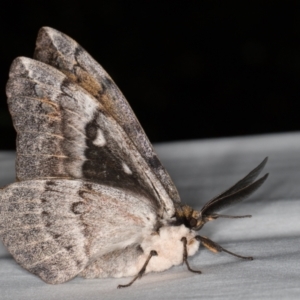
[{"x": 119, "y": 263}]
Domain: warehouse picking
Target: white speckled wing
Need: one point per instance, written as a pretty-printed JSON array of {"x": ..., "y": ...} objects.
[
  {"x": 64, "y": 132},
  {"x": 56, "y": 228},
  {"x": 60, "y": 51}
]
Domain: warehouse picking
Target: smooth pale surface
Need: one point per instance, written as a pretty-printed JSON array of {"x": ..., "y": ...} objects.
[{"x": 200, "y": 170}]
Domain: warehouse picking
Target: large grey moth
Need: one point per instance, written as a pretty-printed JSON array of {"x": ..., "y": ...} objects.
[{"x": 91, "y": 196}]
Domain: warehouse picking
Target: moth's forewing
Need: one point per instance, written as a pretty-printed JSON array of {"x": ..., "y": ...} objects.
[
  {"x": 56, "y": 228},
  {"x": 64, "y": 132},
  {"x": 119, "y": 263},
  {"x": 63, "y": 53}
]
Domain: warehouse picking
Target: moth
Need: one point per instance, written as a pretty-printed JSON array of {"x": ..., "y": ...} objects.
[{"x": 91, "y": 197}]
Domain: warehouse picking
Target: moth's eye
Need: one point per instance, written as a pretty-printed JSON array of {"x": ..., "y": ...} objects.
[{"x": 193, "y": 222}]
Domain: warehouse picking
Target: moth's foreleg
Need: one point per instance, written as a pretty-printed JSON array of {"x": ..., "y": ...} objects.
[
  {"x": 141, "y": 272},
  {"x": 214, "y": 247},
  {"x": 185, "y": 256}
]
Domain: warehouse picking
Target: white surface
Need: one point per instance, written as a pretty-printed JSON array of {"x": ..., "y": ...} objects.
[{"x": 202, "y": 169}]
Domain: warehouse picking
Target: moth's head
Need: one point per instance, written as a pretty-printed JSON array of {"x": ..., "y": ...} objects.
[{"x": 189, "y": 217}]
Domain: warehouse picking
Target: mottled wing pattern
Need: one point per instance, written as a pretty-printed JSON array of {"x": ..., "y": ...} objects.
[
  {"x": 64, "y": 132},
  {"x": 56, "y": 228},
  {"x": 63, "y": 53}
]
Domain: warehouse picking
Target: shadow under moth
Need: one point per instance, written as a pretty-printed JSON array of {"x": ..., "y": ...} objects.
[{"x": 91, "y": 196}]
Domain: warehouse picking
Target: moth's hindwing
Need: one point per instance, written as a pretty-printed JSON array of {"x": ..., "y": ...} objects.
[
  {"x": 64, "y": 132},
  {"x": 60, "y": 51},
  {"x": 56, "y": 228}
]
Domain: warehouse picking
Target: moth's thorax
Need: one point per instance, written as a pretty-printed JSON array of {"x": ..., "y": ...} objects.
[
  {"x": 186, "y": 215},
  {"x": 169, "y": 247}
]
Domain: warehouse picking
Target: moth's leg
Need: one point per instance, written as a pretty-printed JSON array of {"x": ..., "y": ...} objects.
[
  {"x": 214, "y": 247},
  {"x": 185, "y": 256},
  {"x": 141, "y": 272}
]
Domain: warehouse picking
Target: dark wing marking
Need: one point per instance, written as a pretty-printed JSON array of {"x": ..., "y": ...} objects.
[
  {"x": 64, "y": 132},
  {"x": 63, "y": 53},
  {"x": 56, "y": 228}
]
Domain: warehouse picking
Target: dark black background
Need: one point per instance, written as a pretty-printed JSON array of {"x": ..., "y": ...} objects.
[{"x": 189, "y": 69}]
